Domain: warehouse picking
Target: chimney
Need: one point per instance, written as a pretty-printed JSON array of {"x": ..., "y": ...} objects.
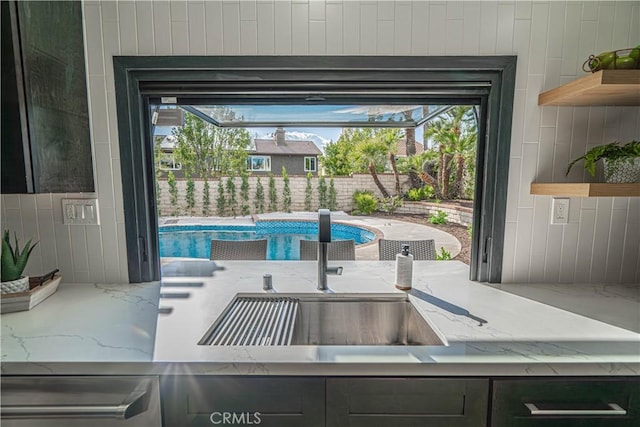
[{"x": 279, "y": 136}]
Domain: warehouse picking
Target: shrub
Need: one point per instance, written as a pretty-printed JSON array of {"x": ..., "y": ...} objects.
[
  {"x": 438, "y": 217},
  {"x": 443, "y": 255},
  {"x": 333, "y": 196},
  {"x": 470, "y": 231},
  {"x": 244, "y": 195},
  {"x": 190, "y": 196},
  {"x": 273, "y": 194},
  {"x": 308, "y": 193},
  {"x": 322, "y": 193},
  {"x": 206, "y": 198},
  {"x": 231, "y": 196},
  {"x": 286, "y": 191},
  {"x": 365, "y": 203},
  {"x": 259, "y": 199},
  {"x": 220, "y": 200},
  {"x": 390, "y": 204},
  {"x": 173, "y": 192},
  {"x": 423, "y": 193}
]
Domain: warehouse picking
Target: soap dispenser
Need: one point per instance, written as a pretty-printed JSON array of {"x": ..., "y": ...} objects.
[{"x": 404, "y": 269}]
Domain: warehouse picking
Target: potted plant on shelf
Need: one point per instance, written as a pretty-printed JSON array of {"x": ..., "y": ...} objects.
[
  {"x": 13, "y": 262},
  {"x": 621, "y": 162}
]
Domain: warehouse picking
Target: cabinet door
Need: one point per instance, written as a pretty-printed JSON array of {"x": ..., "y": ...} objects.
[
  {"x": 207, "y": 400},
  {"x": 403, "y": 402},
  {"x": 559, "y": 403}
]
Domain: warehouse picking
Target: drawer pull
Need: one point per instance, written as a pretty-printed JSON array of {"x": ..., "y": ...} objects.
[
  {"x": 133, "y": 404},
  {"x": 615, "y": 410}
]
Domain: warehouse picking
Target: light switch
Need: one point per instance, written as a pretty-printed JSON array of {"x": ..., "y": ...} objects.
[{"x": 80, "y": 211}]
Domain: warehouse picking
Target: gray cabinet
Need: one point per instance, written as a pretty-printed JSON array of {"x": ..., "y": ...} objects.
[
  {"x": 403, "y": 402},
  {"x": 268, "y": 401},
  {"x": 606, "y": 402}
]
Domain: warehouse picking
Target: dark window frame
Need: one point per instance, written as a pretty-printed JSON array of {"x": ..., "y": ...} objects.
[{"x": 488, "y": 81}]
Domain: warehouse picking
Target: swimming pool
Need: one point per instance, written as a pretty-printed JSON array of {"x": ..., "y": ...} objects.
[{"x": 283, "y": 237}]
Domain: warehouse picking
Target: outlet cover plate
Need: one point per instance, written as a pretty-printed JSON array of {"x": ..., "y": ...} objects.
[{"x": 559, "y": 210}]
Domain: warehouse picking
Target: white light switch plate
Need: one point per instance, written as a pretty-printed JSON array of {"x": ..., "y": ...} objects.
[
  {"x": 559, "y": 211},
  {"x": 80, "y": 211}
]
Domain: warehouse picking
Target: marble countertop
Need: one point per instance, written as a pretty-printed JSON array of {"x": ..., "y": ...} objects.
[{"x": 117, "y": 325}]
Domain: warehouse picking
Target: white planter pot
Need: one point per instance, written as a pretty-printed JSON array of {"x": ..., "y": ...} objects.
[
  {"x": 18, "y": 285},
  {"x": 622, "y": 170}
]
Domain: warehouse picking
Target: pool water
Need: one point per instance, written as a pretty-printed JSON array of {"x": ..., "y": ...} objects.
[{"x": 283, "y": 237}]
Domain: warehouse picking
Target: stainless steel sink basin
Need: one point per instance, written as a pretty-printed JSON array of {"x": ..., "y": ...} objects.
[{"x": 314, "y": 319}]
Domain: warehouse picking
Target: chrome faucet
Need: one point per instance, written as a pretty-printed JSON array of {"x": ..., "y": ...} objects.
[{"x": 324, "y": 238}]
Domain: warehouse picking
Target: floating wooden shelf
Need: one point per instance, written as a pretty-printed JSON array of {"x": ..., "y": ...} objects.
[
  {"x": 585, "y": 189},
  {"x": 604, "y": 87}
]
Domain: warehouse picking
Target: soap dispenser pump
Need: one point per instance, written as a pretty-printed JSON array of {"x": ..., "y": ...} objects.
[{"x": 404, "y": 269}]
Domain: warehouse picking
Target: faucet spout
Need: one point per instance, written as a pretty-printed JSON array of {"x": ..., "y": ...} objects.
[{"x": 324, "y": 238}]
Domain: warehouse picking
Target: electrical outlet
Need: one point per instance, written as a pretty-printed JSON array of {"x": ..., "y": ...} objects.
[
  {"x": 559, "y": 211},
  {"x": 80, "y": 211}
]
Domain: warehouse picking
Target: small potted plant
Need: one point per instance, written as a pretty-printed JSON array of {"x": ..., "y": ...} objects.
[
  {"x": 621, "y": 162},
  {"x": 13, "y": 262}
]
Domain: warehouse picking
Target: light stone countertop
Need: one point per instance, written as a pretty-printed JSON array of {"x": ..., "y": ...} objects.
[{"x": 97, "y": 324}]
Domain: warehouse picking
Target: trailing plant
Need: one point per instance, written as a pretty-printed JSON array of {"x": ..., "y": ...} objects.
[
  {"x": 221, "y": 201},
  {"x": 231, "y": 196},
  {"x": 286, "y": 191},
  {"x": 244, "y": 195},
  {"x": 206, "y": 198},
  {"x": 13, "y": 259},
  {"x": 365, "y": 203},
  {"x": 273, "y": 194},
  {"x": 333, "y": 196},
  {"x": 258, "y": 202},
  {"x": 390, "y": 204},
  {"x": 190, "y": 196},
  {"x": 443, "y": 255},
  {"x": 612, "y": 151},
  {"x": 323, "y": 202},
  {"x": 438, "y": 217},
  {"x": 308, "y": 193},
  {"x": 173, "y": 192}
]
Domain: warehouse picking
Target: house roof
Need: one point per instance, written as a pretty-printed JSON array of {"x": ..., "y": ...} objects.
[
  {"x": 402, "y": 151},
  {"x": 290, "y": 147}
]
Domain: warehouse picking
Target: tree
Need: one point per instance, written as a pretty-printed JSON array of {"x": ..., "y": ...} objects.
[
  {"x": 231, "y": 195},
  {"x": 173, "y": 192},
  {"x": 258, "y": 201},
  {"x": 273, "y": 194},
  {"x": 308, "y": 194},
  {"x": 190, "y": 196},
  {"x": 206, "y": 198},
  {"x": 286, "y": 191},
  {"x": 220, "y": 200},
  {"x": 333, "y": 202},
  {"x": 244, "y": 195},
  {"x": 322, "y": 193},
  {"x": 206, "y": 150},
  {"x": 338, "y": 156}
]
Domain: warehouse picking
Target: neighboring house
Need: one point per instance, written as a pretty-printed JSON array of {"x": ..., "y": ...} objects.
[
  {"x": 402, "y": 148},
  {"x": 270, "y": 155}
]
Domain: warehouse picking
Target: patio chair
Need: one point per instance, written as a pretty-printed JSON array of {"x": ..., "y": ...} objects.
[
  {"x": 238, "y": 249},
  {"x": 338, "y": 250},
  {"x": 422, "y": 250}
]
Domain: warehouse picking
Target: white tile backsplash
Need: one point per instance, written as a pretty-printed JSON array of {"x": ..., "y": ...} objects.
[{"x": 550, "y": 39}]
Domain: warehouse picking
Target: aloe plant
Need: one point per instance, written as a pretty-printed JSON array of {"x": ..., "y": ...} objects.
[
  {"x": 613, "y": 151},
  {"x": 13, "y": 260}
]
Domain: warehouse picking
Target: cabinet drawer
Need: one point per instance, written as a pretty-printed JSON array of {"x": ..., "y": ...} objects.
[
  {"x": 402, "y": 402},
  {"x": 558, "y": 402},
  {"x": 206, "y": 400}
]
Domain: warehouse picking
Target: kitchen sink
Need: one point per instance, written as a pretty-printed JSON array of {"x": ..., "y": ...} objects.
[{"x": 312, "y": 319}]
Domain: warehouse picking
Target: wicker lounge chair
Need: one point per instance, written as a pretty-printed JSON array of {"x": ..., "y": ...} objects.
[
  {"x": 338, "y": 250},
  {"x": 239, "y": 249},
  {"x": 422, "y": 250}
]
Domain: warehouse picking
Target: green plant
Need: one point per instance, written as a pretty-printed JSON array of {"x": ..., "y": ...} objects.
[
  {"x": 13, "y": 259},
  {"x": 438, "y": 217},
  {"x": 333, "y": 196},
  {"x": 173, "y": 192},
  {"x": 423, "y": 193},
  {"x": 231, "y": 193},
  {"x": 286, "y": 191},
  {"x": 258, "y": 201},
  {"x": 190, "y": 196},
  {"x": 470, "y": 231},
  {"x": 206, "y": 198},
  {"x": 273, "y": 194},
  {"x": 322, "y": 193},
  {"x": 365, "y": 203},
  {"x": 244, "y": 195},
  {"x": 443, "y": 255},
  {"x": 308, "y": 193},
  {"x": 390, "y": 204},
  {"x": 221, "y": 201},
  {"x": 612, "y": 151}
]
